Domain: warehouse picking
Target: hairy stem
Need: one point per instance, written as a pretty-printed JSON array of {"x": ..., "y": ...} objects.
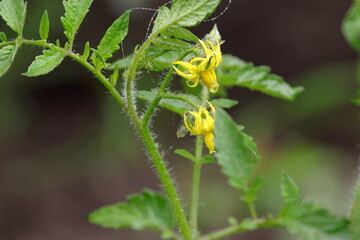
[
  {"x": 196, "y": 186},
  {"x": 144, "y": 132},
  {"x": 235, "y": 229},
  {"x": 166, "y": 180},
  {"x": 158, "y": 97}
]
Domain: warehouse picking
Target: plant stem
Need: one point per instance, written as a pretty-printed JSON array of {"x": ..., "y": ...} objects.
[
  {"x": 196, "y": 186},
  {"x": 166, "y": 180},
  {"x": 143, "y": 130},
  {"x": 252, "y": 210},
  {"x": 158, "y": 97},
  {"x": 101, "y": 78},
  {"x": 232, "y": 230}
]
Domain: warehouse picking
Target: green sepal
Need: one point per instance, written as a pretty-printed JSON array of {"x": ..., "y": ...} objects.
[
  {"x": 148, "y": 210},
  {"x": 46, "y": 62},
  {"x": 44, "y": 26},
  {"x": 186, "y": 154}
]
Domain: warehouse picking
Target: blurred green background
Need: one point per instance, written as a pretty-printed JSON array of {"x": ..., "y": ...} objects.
[{"x": 66, "y": 148}]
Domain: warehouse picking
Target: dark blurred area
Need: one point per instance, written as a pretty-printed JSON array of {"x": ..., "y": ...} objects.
[{"x": 66, "y": 148}]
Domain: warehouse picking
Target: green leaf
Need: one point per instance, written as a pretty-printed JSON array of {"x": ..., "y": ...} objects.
[
  {"x": 158, "y": 60},
  {"x": 148, "y": 210},
  {"x": 113, "y": 37},
  {"x": 7, "y": 55},
  {"x": 207, "y": 159},
  {"x": 236, "y": 152},
  {"x": 180, "y": 33},
  {"x": 355, "y": 211},
  {"x": 235, "y": 72},
  {"x": 312, "y": 222},
  {"x": 86, "y": 52},
  {"x": 44, "y": 26},
  {"x": 224, "y": 102},
  {"x": 14, "y": 14},
  {"x": 186, "y": 154},
  {"x": 185, "y": 13},
  {"x": 356, "y": 100},
  {"x": 75, "y": 12},
  {"x": 251, "y": 192},
  {"x": 3, "y": 37},
  {"x": 122, "y": 63},
  {"x": 166, "y": 43},
  {"x": 351, "y": 26},
  {"x": 114, "y": 77},
  {"x": 45, "y": 63},
  {"x": 213, "y": 35},
  {"x": 174, "y": 105}
]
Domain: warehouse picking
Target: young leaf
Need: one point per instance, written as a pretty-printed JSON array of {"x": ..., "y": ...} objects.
[
  {"x": 86, "y": 52},
  {"x": 7, "y": 55},
  {"x": 114, "y": 36},
  {"x": 44, "y": 26},
  {"x": 114, "y": 77},
  {"x": 213, "y": 35},
  {"x": 304, "y": 218},
  {"x": 186, "y": 154},
  {"x": 148, "y": 210},
  {"x": 250, "y": 193},
  {"x": 185, "y": 13},
  {"x": 3, "y": 37},
  {"x": 45, "y": 63},
  {"x": 14, "y": 13},
  {"x": 75, "y": 11},
  {"x": 122, "y": 63},
  {"x": 355, "y": 211},
  {"x": 351, "y": 26},
  {"x": 236, "y": 152},
  {"x": 224, "y": 102},
  {"x": 207, "y": 159},
  {"x": 174, "y": 105},
  {"x": 235, "y": 72}
]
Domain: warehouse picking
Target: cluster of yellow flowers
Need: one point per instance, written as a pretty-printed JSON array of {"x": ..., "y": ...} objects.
[
  {"x": 202, "y": 123},
  {"x": 202, "y": 69}
]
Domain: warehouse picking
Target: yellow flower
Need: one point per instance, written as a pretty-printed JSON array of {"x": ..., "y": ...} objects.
[
  {"x": 202, "y": 69},
  {"x": 202, "y": 123}
]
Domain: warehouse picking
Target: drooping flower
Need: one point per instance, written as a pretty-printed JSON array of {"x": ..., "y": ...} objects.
[
  {"x": 202, "y": 69},
  {"x": 202, "y": 123}
]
